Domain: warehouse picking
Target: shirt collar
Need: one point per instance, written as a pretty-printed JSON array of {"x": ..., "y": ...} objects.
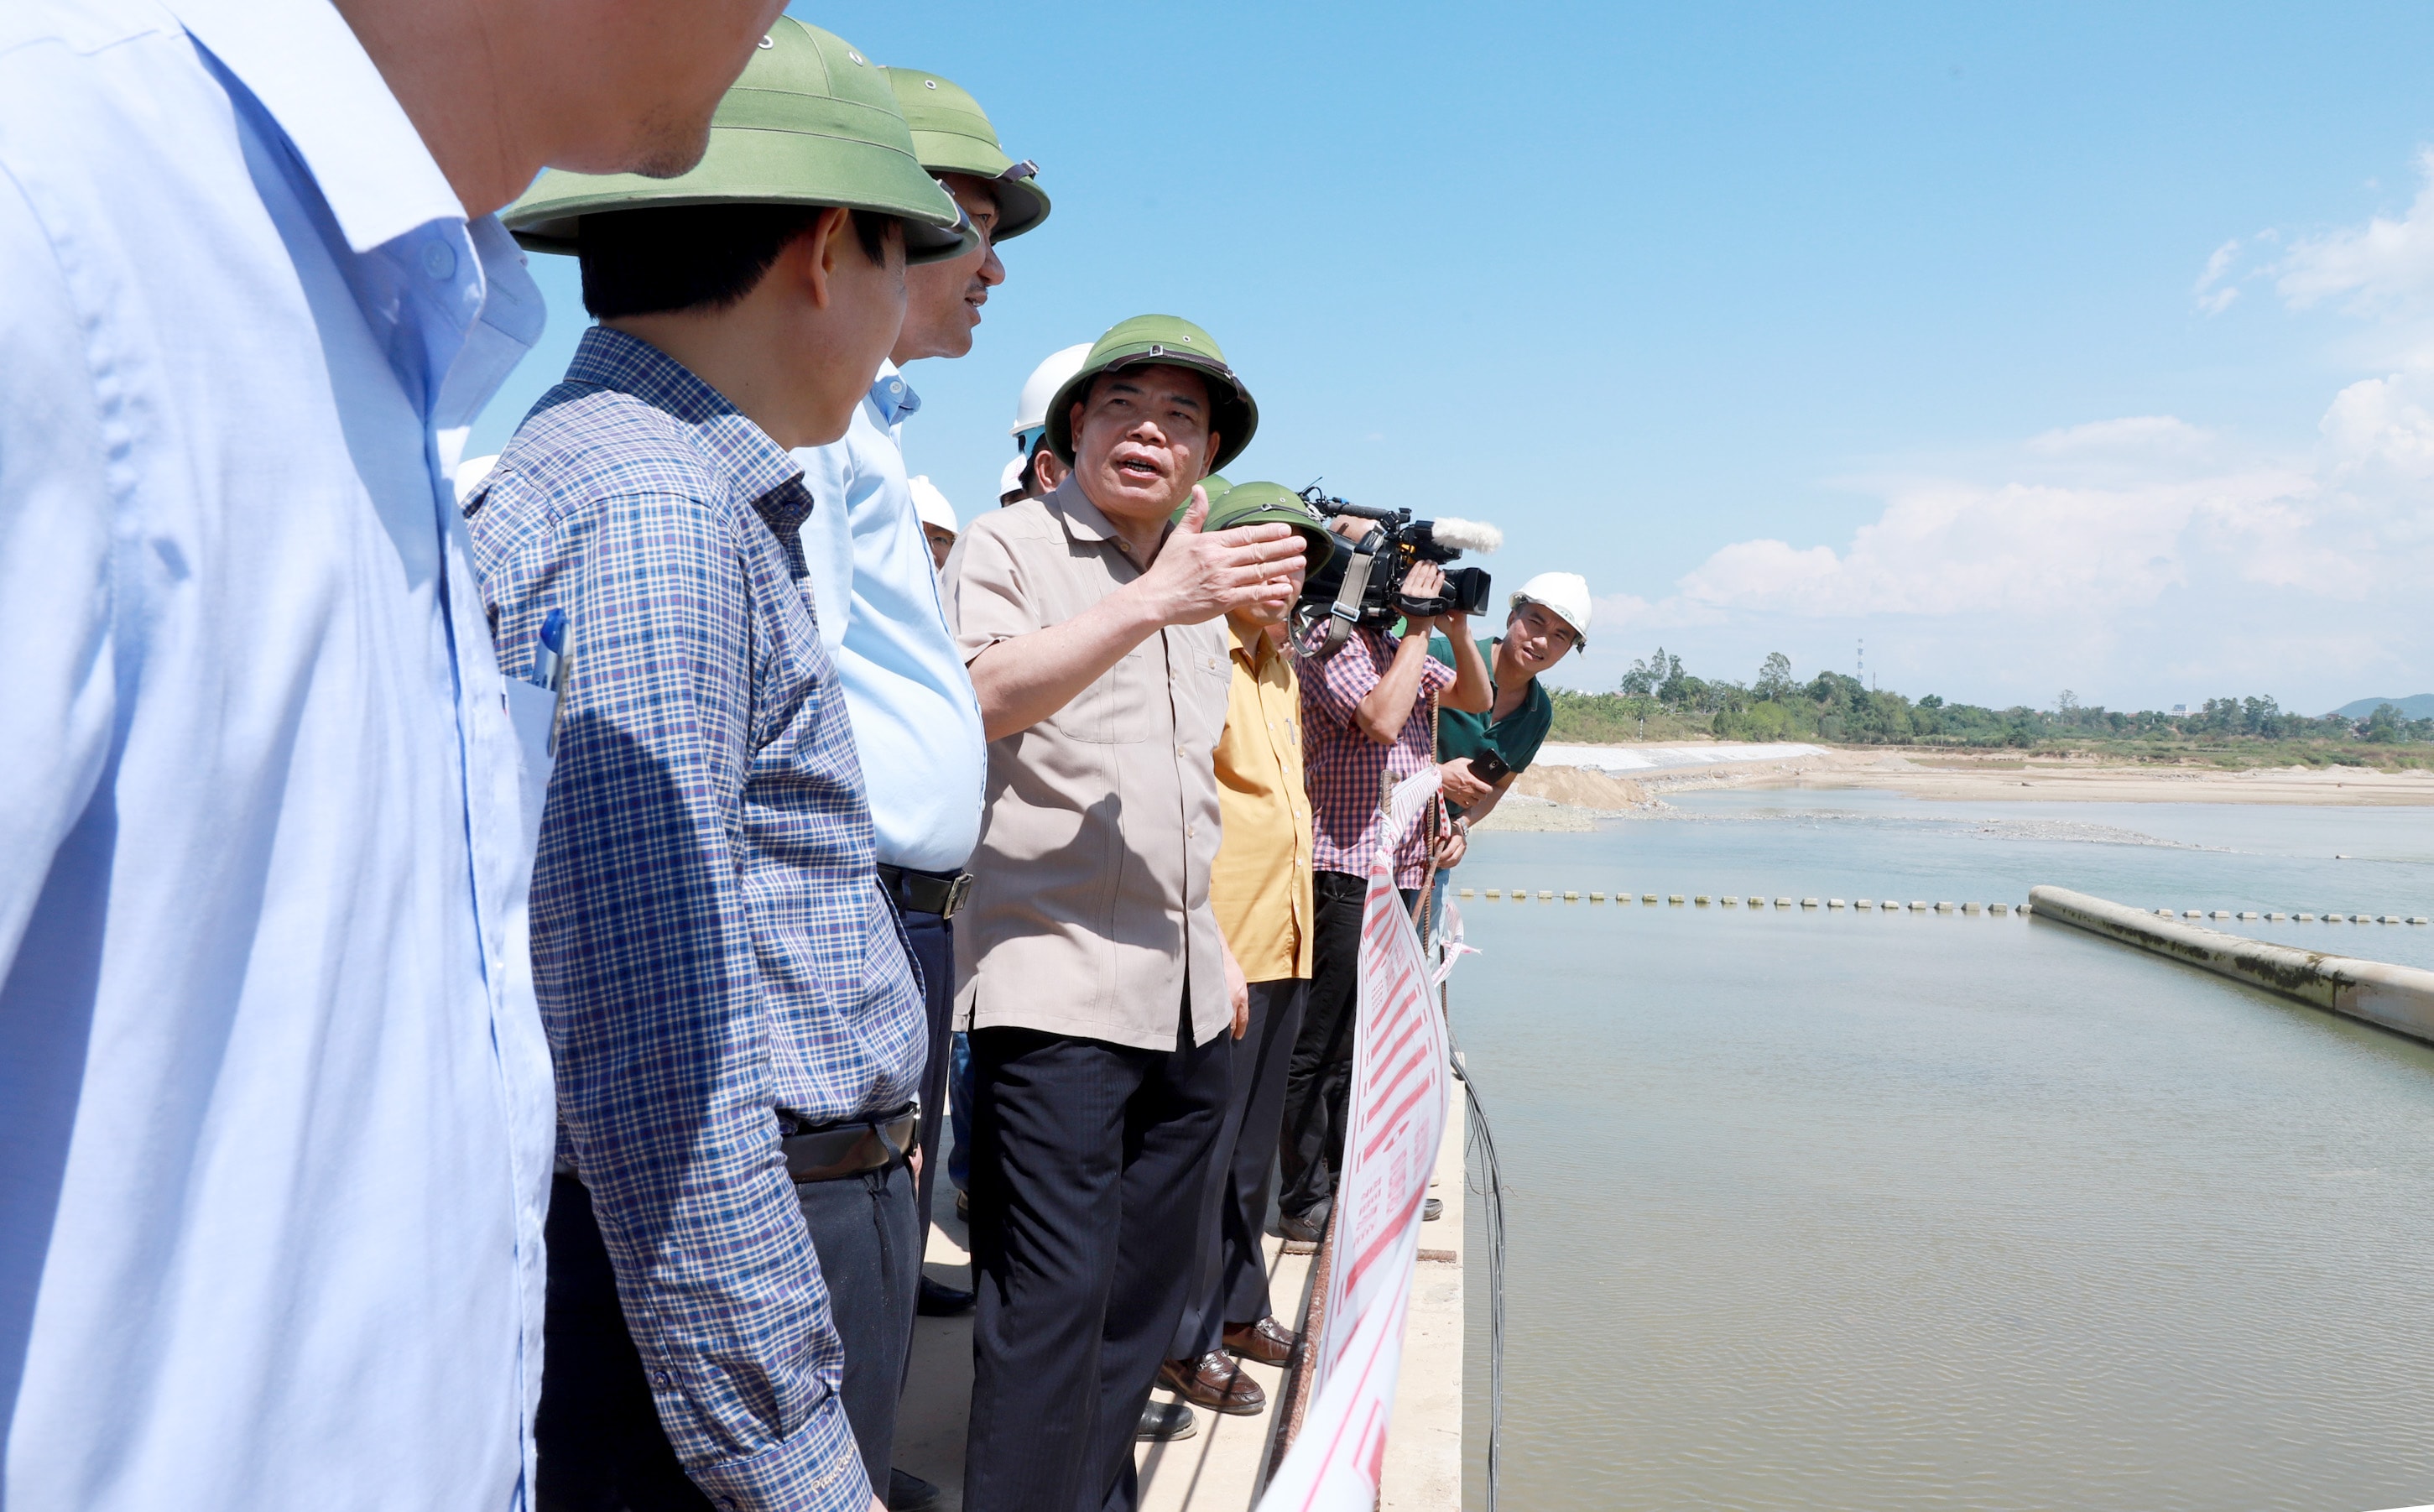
[
  {"x": 1254, "y": 657},
  {"x": 892, "y": 396},
  {"x": 611, "y": 359},
  {"x": 1082, "y": 519},
  {"x": 312, "y": 75}
]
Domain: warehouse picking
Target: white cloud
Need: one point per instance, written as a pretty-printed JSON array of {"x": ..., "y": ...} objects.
[
  {"x": 2213, "y": 295},
  {"x": 2382, "y": 267},
  {"x": 2139, "y": 560},
  {"x": 2176, "y": 566}
]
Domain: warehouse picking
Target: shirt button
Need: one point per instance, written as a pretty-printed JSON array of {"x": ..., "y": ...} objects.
[
  {"x": 438, "y": 259},
  {"x": 659, "y": 1378}
]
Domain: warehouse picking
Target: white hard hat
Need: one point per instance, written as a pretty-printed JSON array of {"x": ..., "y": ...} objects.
[
  {"x": 470, "y": 473},
  {"x": 1031, "y": 410},
  {"x": 931, "y": 506},
  {"x": 1011, "y": 480},
  {"x": 1566, "y": 595}
]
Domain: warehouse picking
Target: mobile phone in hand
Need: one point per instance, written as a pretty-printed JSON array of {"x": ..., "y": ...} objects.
[{"x": 1489, "y": 767}]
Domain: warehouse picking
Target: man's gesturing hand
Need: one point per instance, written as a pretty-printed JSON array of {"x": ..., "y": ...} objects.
[{"x": 1196, "y": 578}]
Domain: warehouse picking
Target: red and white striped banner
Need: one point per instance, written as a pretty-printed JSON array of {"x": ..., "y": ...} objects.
[{"x": 1396, "y": 1121}]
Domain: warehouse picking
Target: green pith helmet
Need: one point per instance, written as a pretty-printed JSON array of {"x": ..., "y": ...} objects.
[
  {"x": 1259, "y": 504},
  {"x": 812, "y": 122},
  {"x": 951, "y": 135},
  {"x": 1160, "y": 340}
]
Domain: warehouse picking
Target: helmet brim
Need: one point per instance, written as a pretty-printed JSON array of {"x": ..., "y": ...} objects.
[
  {"x": 1021, "y": 204},
  {"x": 1580, "y": 636},
  {"x": 747, "y": 164},
  {"x": 1234, "y": 416}
]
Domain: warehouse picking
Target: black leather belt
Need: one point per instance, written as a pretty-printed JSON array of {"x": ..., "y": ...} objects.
[
  {"x": 842, "y": 1150},
  {"x": 922, "y": 892}
]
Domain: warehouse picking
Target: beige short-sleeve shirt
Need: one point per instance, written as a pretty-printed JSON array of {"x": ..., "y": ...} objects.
[{"x": 1089, "y": 904}]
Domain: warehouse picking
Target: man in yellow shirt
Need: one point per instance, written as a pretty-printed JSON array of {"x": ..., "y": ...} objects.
[{"x": 1260, "y": 888}]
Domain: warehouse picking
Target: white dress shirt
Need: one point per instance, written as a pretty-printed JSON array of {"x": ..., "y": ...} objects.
[
  {"x": 275, "y": 1107},
  {"x": 916, "y": 721}
]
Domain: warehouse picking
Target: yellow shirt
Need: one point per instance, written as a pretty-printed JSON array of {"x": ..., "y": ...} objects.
[{"x": 1259, "y": 885}]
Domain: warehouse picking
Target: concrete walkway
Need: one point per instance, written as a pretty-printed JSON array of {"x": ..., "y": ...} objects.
[{"x": 1220, "y": 1469}]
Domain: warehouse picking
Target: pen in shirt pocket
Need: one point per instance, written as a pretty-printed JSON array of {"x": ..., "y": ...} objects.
[{"x": 551, "y": 665}]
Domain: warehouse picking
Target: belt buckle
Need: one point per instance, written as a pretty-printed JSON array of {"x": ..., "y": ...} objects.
[{"x": 959, "y": 892}]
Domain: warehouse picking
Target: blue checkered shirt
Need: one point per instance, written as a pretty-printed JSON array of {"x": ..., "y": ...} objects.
[{"x": 715, "y": 963}]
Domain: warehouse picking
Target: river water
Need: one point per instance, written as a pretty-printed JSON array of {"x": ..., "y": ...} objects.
[{"x": 1820, "y": 1210}]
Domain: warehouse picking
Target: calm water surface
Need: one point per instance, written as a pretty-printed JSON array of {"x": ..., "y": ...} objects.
[{"x": 1818, "y": 1211}]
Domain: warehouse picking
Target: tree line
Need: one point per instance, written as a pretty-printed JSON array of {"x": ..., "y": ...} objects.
[{"x": 1658, "y": 699}]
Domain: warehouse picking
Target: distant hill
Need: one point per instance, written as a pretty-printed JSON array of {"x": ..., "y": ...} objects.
[{"x": 2420, "y": 705}]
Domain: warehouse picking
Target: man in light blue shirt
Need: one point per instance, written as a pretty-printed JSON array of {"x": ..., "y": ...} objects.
[
  {"x": 275, "y": 1106},
  {"x": 875, "y": 588}
]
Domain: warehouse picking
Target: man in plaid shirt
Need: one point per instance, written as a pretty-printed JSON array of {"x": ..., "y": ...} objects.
[
  {"x": 737, "y": 1027},
  {"x": 1367, "y": 710}
]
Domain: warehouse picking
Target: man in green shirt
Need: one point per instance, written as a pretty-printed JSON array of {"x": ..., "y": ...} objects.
[{"x": 1550, "y": 619}]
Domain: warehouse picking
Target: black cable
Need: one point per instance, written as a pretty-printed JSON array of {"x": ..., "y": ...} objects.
[{"x": 1490, "y": 1185}]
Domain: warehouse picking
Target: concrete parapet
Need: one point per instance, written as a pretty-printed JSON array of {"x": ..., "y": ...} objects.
[{"x": 2399, "y": 998}]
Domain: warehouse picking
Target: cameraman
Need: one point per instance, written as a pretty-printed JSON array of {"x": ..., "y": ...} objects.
[
  {"x": 1550, "y": 620},
  {"x": 1366, "y": 712}
]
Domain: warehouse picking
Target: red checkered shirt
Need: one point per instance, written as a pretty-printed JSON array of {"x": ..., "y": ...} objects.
[{"x": 1345, "y": 768}]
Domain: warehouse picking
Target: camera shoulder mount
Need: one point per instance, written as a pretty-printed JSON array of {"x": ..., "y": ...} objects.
[{"x": 1345, "y": 613}]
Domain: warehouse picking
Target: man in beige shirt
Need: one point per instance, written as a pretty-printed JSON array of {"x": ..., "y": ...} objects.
[{"x": 1096, "y": 988}]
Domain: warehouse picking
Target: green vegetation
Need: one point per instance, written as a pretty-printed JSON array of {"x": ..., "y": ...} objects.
[{"x": 1658, "y": 701}]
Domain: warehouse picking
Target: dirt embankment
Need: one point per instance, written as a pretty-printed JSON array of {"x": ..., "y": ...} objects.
[
  {"x": 1947, "y": 775},
  {"x": 1581, "y": 787},
  {"x": 1954, "y": 776}
]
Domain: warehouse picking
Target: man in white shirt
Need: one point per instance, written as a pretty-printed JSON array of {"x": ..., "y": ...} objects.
[
  {"x": 875, "y": 592},
  {"x": 874, "y": 583},
  {"x": 273, "y": 1091}
]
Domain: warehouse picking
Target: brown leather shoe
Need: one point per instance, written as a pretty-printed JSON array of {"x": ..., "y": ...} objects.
[
  {"x": 1266, "y": 1341},
  {"x": 1214, "y": 1382}
]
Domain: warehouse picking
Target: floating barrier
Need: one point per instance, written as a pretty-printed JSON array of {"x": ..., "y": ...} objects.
[
  {"x": 2399, "y": 998},
  {"x": 1623, "y": 897}
]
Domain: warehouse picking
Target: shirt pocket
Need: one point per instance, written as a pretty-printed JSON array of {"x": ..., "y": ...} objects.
[
  {"x": 1203, "y": 681},
  {"x": 1114, "y": 709},
  {"x": 532, "y": 710}
]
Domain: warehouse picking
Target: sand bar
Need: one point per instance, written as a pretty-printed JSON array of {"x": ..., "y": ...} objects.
[{"x": 1957, "y": 776}]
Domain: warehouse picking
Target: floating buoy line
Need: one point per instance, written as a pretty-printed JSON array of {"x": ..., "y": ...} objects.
[{"x": 1887, "y": 905}]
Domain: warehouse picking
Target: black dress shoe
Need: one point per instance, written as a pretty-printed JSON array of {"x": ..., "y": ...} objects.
[
  {"x": 1164, "y": 1422},
  {"x": 963, "y": 1206},
  {"x": 1302, "y": 1232},
  {"x": 938, "y": 1299},
  {"x": 1432, "y": 1209},
  {"x": 908, "y": 1492}
]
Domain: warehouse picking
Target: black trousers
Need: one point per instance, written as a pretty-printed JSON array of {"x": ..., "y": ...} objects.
[
  {"x": 1233, "y": 1280},
  {"x": 1089, "y": 1171},
  {"x": 1318, "y": 1082},
  {"x": 600, "y": 1443},
  {"x": 933, "y": 938}
]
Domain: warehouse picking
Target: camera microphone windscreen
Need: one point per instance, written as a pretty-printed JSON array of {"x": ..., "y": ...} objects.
[{"x": 1465, "y": 535}]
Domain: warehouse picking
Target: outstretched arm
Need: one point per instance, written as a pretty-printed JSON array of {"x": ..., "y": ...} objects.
[{"x": 1023, "y": 679}]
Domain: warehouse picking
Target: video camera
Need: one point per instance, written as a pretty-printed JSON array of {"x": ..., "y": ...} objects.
[{"x": 1363, "y": 583}]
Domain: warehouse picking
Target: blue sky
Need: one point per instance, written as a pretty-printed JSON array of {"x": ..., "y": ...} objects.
[{"x": 2042, "y": 347}]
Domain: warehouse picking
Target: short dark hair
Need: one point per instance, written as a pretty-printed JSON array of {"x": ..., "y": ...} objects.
[{"x": 688, "y": 257}]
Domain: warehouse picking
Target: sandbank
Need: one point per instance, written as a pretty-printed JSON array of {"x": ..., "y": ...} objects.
[{"x": 1956, "y": 776}]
